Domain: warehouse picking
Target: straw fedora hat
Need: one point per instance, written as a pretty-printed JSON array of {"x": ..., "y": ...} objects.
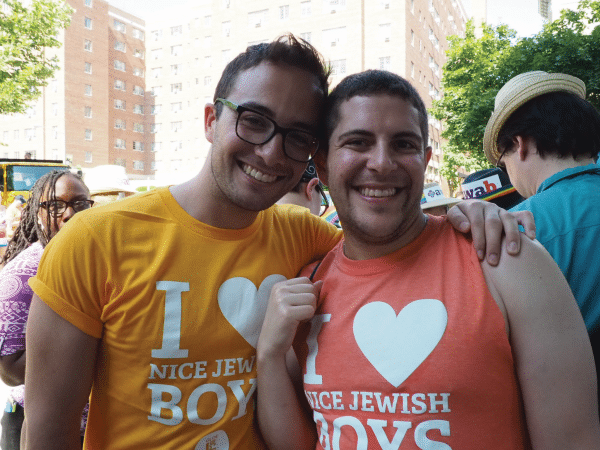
[{"x": 518, "y": 91}]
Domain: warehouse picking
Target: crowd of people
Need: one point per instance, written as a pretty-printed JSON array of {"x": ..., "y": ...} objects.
[{"x": 204, "y": 316}]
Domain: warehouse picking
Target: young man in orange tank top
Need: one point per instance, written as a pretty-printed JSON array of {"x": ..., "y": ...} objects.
[{"x": 403, "y": 338}]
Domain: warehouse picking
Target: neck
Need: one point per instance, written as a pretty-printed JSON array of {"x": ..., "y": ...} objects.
[
  {"x": 199, "y": 199},
  {"x": 360, "y": 248},
  {"x": 552, "y": 165}
]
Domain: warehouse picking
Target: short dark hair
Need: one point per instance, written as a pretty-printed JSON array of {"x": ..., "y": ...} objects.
[
  {"x": 374, "y": 82},
  {"x": 561, "y": 123},
  {"x": 286, "y": 49}
]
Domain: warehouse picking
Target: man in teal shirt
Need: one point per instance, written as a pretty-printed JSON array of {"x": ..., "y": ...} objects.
[{"x": 547, "y": 136}]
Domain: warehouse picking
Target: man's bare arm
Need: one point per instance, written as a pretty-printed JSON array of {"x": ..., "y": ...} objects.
[
  {"x": 58, "y": 378},
  {"x": 488, "y": 224},
  {"x": 552, "y": 350}
]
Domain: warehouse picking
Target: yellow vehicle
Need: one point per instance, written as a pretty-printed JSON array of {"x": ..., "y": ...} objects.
[{"x": 17, "y": 176}]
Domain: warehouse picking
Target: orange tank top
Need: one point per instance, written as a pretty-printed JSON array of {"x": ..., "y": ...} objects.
[{"x": 409, "y": 351}]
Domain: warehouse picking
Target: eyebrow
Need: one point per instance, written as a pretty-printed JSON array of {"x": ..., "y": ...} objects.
[
  {"x": 269, "y": 113},
  {"x": 365, "y": 133}
]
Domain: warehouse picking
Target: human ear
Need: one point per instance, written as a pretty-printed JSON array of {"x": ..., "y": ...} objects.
[
  {"x": 311, "y": 185},
  {"x": 210, "y": 121}
]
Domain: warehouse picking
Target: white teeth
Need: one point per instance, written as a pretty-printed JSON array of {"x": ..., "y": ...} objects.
[
  {"x": 378, "y": 192},
  {"x": 258, "y": 175}
]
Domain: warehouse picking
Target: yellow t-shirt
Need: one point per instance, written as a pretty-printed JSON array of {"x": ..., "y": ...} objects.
[{"x": 178, "y": 306}]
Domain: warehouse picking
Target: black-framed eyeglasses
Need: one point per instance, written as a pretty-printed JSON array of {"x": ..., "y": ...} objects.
[
  {"x": 499, "y": 164},
  {"x": 256, "y": 128},
  {"x": 58, "y": 207}
]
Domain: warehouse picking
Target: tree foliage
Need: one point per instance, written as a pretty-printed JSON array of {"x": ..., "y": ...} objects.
[
  {"x": 26, "y": 32},
  {"x": 477, "y": 67}
]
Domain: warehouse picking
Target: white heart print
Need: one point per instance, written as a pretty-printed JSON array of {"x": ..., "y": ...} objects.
[
  {"x": 397, "y": 345},
  {"x": 244, "y": 307}
]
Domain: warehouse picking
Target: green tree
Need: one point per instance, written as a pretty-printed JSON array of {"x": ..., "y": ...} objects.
[
  {"x": 26, "y": 32},
  {"x": 478, "y": 67}
]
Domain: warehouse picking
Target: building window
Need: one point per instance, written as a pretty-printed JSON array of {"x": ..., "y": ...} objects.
[
  {"x": 207, "y": 80},
  {"x": 138, "y": 72},
  {"x": 119, "y": 26},
  {"x": 120, "y": 124},
  {"x": 176, "y": 126},
  {"x": 226, "y": 4},
  {"x": 306, "y": 36},
  {"x": 155, "y": 146},
  {"x": 120, "y": 162},
  {"x": 177, "y": 30},
  {"x": 87, "y": 112},
  {"x": 55, "y": 107},
  {"x": 155, "y": 109},
  {"x": 88, "y": 157},
  {"x": 138, "y": 165},
  {"x": 120, "y": 104},
  {"x": 16, "y": 136},
  {"x": 257, "y": 19},
  {"x": 87, "y": 90},
  {"x": 207, "y": 21},
  {"x": 412, "y": 38},
  {"x": 176, "y": 88},
  {"x": 338, "y": 67},
  {"x": 120, "y": 65},
  {"x": 225, "y": 56},
  {"x": 88, "y": 135},
  {"x": 138, "y": 127},
  {"x": 226, "y": 28},
  {"x": 334, "y": 36},
  {"x": 412, "y": 70},
  {"x": 156, "y": 72},
  {"x": 54, "y": 85},
  {"x": 120, "y": 85},
  {"x": 138, "y": 109},
  {"x": 138, "y": 90},
  {"x": 87, "y": 22},
  {"x": 120, "y": 143},
  {"x": 156, "y": 53},
  {"x": 87, "y": 45},
  {"x": 156, "y": 34},
  {"x": 138, "y": 34},
  {"x": 176, "y": 107},
  {"x": 385, "y": 32},
  {"x": 155, "y": 128},
  {"x": 284, "y": 12},
  {"x": 87, "y": 3},
  {"x": 138, "y": 53},
  {"x": 152, "y": 165},
  {"x": 385, "y": 4},
  {"x": 120, "y": 46},
  {"x": 385, "y": 63},
  {"x": 207, "y": 41},
  {"x": 155, "y": 90},
  {"x": 138, "y": 146},
  {"x": 176, "y": 50},
  {"x": 305, "y": 9},
  {"x": 87, "y": 68},
  {"x": 176, "y": 69},
  {"x": 54, "y": 132},
  {"x": 176, "y": 145}
]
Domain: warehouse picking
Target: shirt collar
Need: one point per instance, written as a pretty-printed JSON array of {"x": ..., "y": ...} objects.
[{"x": 568, "y": 173}]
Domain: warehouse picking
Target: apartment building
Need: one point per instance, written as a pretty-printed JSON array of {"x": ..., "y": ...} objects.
[
  {"x": 94, "y": 109},
  {"x": 187, "y": 54}
]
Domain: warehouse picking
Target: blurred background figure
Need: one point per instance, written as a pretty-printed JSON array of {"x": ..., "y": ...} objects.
[
  {"x": 309, "y": 192},
  {"x": 13, "y": 215},
  {"x": 54, "y": 199},
  {"x": 108, "y": 183},
  {"x": 434, "y": 202},
  {"x": 492, "y": 185}
]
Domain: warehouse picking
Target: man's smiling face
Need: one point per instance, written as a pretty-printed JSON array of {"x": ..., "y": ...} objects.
[
  {"x": 376, "y": 166},
  {"x": 253, "y": 177}
]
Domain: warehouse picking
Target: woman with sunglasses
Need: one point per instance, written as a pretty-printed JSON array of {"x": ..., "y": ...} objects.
[{"x": 54, "y": 199}]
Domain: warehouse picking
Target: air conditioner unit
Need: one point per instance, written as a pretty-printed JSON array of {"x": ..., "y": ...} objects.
[
  {"x": 387, "y": 39},
  {"x": 333, "y": 44},
  {"x": 386, "y": 6}
]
